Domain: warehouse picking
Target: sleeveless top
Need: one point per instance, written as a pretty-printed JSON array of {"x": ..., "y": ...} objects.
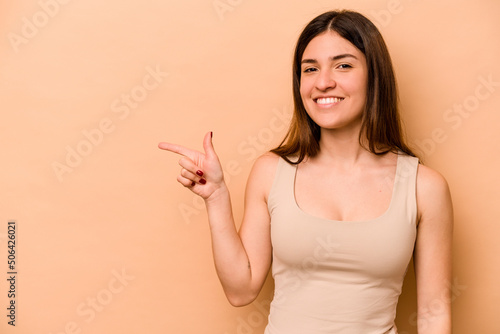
[{"x": 341, "y": 277}]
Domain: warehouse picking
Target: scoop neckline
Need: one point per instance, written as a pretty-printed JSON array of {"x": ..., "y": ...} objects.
[{"x": 386, "y": 212}]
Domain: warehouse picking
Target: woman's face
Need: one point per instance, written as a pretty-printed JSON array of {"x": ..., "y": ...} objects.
[{"x": 333, "y": 82}]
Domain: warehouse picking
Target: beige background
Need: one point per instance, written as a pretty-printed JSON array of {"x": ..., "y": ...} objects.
[{"x": 109, "y": 242}]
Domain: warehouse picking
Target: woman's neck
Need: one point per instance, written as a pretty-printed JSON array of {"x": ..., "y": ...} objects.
[{"x": 342, "y": 147}]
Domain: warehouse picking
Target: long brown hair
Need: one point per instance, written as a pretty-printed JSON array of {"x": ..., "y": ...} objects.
[{"x": 381, "y": 122}]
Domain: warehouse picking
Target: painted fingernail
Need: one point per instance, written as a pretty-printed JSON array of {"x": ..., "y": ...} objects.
[
  {"x": 211, "y": 134},
  {"x": 193, "y": 183},
  {"x": 199, "y": 173},
  {"x": 203, "y": 181}
]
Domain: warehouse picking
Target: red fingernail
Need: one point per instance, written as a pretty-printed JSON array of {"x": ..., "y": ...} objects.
[
  {"x": 193, "y": 183},
  {"x": 203, "y": 181},
  {"x": 199, "y": 173},
  {"x": 211, "y": 134}
]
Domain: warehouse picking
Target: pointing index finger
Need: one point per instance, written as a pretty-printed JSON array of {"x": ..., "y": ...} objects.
[{"x": 176, "y": 149}]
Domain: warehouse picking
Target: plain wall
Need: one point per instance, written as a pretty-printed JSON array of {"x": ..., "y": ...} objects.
[{"x": 109, "y": 242}]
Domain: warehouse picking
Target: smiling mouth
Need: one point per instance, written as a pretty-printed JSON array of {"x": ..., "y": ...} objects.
[{"x": 328, "y": 101}]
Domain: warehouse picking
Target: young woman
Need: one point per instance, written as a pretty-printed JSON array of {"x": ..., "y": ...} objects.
[{"x": 340, "y": 207}]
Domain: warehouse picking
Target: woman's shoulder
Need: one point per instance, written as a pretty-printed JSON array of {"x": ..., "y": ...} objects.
[
  {"x": 266, "y": 164},
  {"x": 429, "y": 179},
  {"x": 432, "y": 189},
  {"x": 262, "y": 175}
]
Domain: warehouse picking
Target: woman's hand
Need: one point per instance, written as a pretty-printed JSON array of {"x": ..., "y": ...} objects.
[
  {"x": 201, "y": 173},
  {"x": 242, "y": 262}
]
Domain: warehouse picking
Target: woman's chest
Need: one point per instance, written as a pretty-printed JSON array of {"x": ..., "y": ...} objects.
[{"x": 361, "y": 196}]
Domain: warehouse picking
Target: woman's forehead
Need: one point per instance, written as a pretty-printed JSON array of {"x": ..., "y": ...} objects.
[{"x": 330, "y": 44}]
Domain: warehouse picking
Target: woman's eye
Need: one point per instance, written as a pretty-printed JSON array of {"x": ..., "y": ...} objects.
[
  {"x": 344, "y": 66},
  {"x": 310, "y": 69}
]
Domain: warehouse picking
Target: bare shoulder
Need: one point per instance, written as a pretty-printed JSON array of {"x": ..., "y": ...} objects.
[
  {"x": 266, "y": 164},
  {"x": 433, "y": 193},
  {"x": 429, "y": 181},
  {"x": 263, "y": 172}
]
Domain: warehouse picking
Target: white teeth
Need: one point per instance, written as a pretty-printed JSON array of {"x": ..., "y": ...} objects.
[{"x": 328, "y": 100}]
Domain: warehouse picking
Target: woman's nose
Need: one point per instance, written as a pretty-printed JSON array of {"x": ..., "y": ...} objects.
[{"x": 325, "y": 80}]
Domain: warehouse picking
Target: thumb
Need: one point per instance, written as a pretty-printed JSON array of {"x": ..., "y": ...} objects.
[{"x": 208, "y": 146}]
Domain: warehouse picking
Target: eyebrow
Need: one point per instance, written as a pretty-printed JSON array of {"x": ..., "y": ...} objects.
[{"x": 337, "y": 57}]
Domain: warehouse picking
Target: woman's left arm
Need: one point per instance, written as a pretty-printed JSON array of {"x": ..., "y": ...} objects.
[{"x": 432, "y": 255}]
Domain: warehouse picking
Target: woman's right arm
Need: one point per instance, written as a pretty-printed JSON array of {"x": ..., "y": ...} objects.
[{"x": 242, "y": 260}]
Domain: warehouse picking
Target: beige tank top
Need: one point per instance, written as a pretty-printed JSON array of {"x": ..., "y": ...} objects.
[{"x": 341, "y": 277}]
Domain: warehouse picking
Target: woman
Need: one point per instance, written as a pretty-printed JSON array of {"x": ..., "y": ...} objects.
[{"x": 340, "y": 206}]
